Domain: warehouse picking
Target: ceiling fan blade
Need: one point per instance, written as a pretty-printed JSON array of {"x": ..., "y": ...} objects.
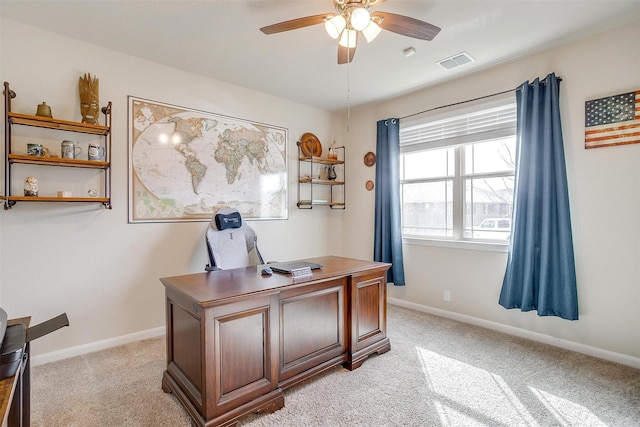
[
  {"x": 406, "y": 26},
  {"x": 294, "y": 24},
  {"x": 345, "y": 54}
]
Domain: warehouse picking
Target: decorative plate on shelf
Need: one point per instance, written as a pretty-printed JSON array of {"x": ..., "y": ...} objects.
[
  {"x": 370, "y": 159},
  {"x": 310, "y": 145}
]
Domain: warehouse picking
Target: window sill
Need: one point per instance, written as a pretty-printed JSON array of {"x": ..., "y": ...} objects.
[{"x": 458, "y": 244}]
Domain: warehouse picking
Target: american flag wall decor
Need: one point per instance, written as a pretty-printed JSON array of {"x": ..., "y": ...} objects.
[{"x": 614, "y": 120}]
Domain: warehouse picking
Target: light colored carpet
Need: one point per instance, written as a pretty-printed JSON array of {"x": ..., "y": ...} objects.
[{"x": 439, "y": 372}]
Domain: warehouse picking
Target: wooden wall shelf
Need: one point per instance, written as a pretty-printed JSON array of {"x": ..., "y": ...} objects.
[
  {"x": 57, "y": 161},
  {"x": 12, "y": 159},
  {"x": 308, "y": 180},
  {"x": 50, "y": 123},
  {"x": 102, "y": 200},
  {"x": 308, "y": 197},
  {"x": 321, "y": 160}
]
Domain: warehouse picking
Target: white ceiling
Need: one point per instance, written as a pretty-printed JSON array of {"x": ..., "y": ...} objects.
[{"x": 220, "y": 39}]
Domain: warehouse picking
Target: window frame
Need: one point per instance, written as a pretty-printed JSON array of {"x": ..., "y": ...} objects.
[{"x": 459, "y": 177}]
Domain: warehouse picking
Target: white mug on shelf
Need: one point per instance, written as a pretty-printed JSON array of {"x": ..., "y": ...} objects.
[
  {"x": 69, "y": 150},
  {"x": 96, "y": 152}
]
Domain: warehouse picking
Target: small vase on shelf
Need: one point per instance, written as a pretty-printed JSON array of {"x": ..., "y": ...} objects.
[
  {"x": 331, "y": 173},
  {"x": 332, "y": 155}
]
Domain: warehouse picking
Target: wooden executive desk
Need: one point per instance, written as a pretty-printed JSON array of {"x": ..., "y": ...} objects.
[{"x": 236, "y": 339}]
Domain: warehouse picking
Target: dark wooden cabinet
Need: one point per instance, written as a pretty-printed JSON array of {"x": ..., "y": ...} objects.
[
  {"x": 236, "y": 339},
  {"x": 15, "y": 391}
]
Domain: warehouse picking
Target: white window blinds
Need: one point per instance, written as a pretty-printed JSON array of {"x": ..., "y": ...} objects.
[{"x": 496, "y": 122}]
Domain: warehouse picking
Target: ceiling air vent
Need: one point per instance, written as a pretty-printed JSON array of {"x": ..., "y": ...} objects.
[{"x": 456, "y": 60}]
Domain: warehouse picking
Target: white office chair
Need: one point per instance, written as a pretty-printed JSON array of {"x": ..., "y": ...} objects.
[{"x": 230, "y": 242}]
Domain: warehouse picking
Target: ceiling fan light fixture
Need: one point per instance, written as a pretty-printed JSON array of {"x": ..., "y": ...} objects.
[
  {"x": 371, "y": 31},
  {"x": 348, "y": 38},
  {"x": 352, "y": 17},
  {"x": 335, "y": 26},
  {"x": 359, "y": 18}
]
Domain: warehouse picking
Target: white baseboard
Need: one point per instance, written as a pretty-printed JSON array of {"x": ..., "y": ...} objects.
[
  {"x": 54, "y": 356},
  {"x": 623, "y": 359},
  {"x": 611, "y": 356}
]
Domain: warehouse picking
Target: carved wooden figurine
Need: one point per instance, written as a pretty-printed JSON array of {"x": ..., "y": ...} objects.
[{"x": 89, "y": 99}]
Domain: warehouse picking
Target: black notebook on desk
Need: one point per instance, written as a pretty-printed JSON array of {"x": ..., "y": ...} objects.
[{"x": 290, "y": 267}]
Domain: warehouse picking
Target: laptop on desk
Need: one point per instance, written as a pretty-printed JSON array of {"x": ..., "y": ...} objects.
[{"x": 292, "y": 266}]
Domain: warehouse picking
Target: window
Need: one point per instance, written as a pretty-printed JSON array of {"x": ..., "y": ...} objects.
[{"x": 457, "y": 175}]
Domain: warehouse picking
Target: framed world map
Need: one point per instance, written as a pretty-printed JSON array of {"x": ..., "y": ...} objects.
[{"x": 184, "y": 164}]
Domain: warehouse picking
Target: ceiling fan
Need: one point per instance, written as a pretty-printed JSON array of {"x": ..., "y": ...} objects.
[{"x": 353, "y": 17}]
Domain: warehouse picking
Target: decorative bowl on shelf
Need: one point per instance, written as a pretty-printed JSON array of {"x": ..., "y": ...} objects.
[{"x": 310, "y": 145}]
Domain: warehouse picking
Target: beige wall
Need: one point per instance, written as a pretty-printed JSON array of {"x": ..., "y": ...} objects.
[
  {"x": 88, "y": 261},
  {"x": 603, "y": 189},
  {"x": 104, "y": 272}
]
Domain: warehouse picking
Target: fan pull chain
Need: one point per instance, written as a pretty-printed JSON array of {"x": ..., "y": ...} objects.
[
  {"x": 348, "y": 96},
  {"x": 348, "y": 86}
]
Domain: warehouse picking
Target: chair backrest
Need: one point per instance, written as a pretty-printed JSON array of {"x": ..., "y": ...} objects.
[{"x": 230, "y": 242}]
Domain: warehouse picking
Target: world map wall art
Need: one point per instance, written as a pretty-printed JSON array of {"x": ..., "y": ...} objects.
[
  {"x": 614, "y": 120},
  {"x": 184, "y": 163}
]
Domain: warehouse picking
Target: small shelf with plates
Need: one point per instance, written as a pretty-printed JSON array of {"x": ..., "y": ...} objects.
[
  {"x": 11, "y": 158},
  {"x": 315, "y": 187}
]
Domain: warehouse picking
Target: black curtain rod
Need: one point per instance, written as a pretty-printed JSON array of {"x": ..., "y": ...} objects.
[{"x": 543, "y": 81}]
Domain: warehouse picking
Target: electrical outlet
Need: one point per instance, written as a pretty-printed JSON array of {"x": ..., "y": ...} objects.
[{"x": 447, "y": 296}]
